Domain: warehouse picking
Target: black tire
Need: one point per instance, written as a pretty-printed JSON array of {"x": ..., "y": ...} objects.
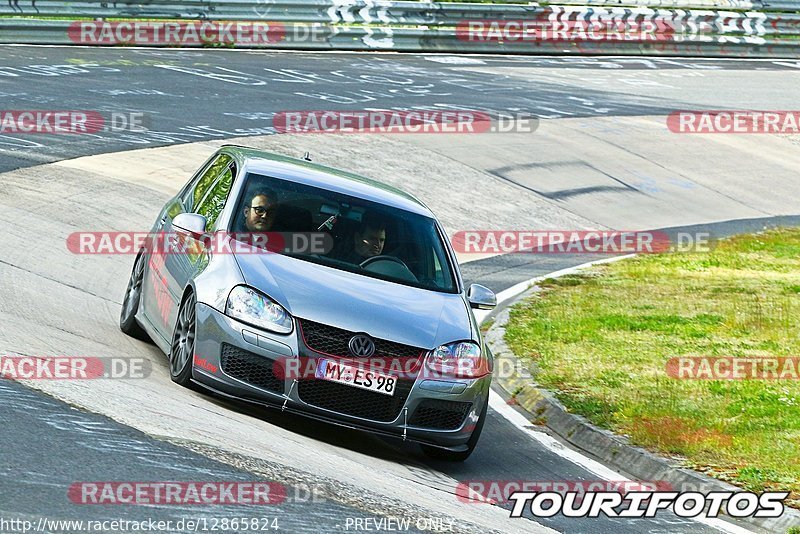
[
  {"x": 181, "y": 351},
  {"x": 130, "y": 304},
  {"x": 459, "y": 456}
]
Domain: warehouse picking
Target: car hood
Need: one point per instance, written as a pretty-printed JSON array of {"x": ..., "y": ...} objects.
[{"x": 358, "y": 303}]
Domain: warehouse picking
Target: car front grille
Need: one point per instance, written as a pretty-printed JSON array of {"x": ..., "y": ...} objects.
[
  {"x": 349, "y": 400},
  {"x": 440, "y": 414},
  {"x": 353, "y": 401},
  {"x": 251, "y": 368},
  {"x": 327, "y": 339}
]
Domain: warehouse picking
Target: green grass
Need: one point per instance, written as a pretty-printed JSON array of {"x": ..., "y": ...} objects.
[{"x": 601, "y": 341}]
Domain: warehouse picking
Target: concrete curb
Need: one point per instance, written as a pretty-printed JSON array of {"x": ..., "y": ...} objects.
[{"x": 542, "y": 408}]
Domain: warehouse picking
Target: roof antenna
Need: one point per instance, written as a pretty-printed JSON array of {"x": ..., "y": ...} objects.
[{"x": 307, "y": 156}]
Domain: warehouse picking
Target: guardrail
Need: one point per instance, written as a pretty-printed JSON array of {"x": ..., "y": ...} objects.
[
  {"x": 354, "y": 11},
  {"x": 319, "y": 11},
  {"x": 739, "y": 5},
  {"x": 411, "y": 26}
]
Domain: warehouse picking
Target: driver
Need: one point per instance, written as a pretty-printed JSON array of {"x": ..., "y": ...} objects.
[{"x": 368, "y": 239}]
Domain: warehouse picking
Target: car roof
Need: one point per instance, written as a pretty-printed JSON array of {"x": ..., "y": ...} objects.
[{"x": 329, "y": 178}]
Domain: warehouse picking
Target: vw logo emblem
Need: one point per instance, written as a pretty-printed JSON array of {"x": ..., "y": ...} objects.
[{"x": 361, "y": 346}]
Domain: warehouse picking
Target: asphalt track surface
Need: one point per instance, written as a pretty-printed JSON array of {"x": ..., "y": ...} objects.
[
  {"x": 50, "y": 444},
  {"x": 190, "y": 96}
]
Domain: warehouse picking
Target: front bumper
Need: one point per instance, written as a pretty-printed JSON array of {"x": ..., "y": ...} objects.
[{"x": 237, "y": 360}]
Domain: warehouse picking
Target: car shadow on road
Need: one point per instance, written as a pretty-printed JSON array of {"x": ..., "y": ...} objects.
[{"x": 386, "y": 448}]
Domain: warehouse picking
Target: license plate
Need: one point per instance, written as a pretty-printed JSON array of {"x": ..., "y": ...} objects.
[{"x": 355, "y": 376}]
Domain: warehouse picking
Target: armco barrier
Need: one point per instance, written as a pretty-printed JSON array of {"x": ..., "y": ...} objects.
[
  {"x": 434, "y": 27},
  {"x": 350, "y": 11},
  {"x": 320, "y": 11},
  {"x": 739, "y": 5}
]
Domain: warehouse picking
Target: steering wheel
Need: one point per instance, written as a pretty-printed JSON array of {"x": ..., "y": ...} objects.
[{"x": 383, "y": 257}]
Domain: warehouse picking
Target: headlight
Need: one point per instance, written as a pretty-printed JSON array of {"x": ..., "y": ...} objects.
[
  {"x": 250, "y": 306},
  {"x": 461, "y": 359}
]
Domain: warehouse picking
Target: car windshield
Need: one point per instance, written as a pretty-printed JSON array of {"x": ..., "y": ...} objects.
[{"x": 363, "y": 237}]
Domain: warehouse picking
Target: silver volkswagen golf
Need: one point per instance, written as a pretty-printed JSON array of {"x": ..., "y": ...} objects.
[{"x": 285, "y": 283}]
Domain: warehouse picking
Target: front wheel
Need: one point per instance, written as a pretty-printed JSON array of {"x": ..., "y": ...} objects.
[
  {"x": 459, "y": 456},
  {"x": 130, "y": 304},
  {"x": 181, "y": 351}
]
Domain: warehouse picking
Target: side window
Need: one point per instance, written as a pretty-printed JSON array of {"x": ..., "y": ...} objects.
[
  {"x": 198, "y": 191},
  {"x": 211, "y": 204}
]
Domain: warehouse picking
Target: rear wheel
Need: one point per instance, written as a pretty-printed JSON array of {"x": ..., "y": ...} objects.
[
  {"x": 130, "y": 304},
  {"x": 459, "y": 456},
  {"x": 181, "y": 351}
]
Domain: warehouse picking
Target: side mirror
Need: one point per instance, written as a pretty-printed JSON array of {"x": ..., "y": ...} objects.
[
  {"x": 190, "y": 223},
  {"x": 481, "y": 298}
]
